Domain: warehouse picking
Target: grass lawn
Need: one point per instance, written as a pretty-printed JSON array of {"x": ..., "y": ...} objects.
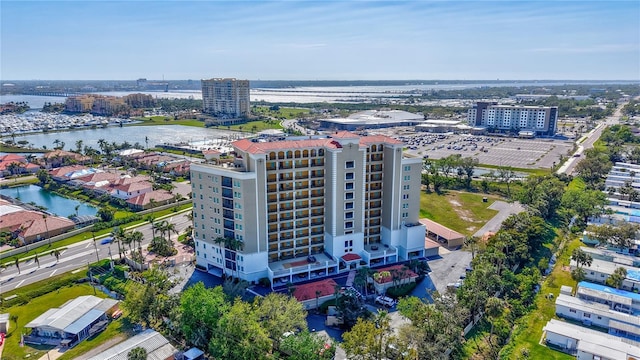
[
  {"x": 33, "y": 309},
  {"x": 528, "y": 331},
  {"x": 162, "y": 120},
  {"x": 460, "y": 211},
  {"x": 254, "y": 126},
  {"x": 287, "y": 113}
]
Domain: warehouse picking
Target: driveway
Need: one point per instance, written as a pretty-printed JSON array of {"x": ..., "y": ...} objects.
[{"x": 504, "y": 211}]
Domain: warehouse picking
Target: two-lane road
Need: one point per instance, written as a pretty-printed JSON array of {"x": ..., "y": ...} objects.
[
  {"x": 571, "y": 163},
  {"x": 75, "y": 256}
]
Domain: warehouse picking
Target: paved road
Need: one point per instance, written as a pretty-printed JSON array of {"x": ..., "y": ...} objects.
[
  {"x": 76, "y": 256},
  {"x": 569, "y": 167},
  {"x": 504, "y": 211}
]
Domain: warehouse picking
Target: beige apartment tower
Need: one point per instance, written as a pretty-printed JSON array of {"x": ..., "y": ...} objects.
[
  {"x": 226, "y": 97},
  {"x": 307, "y": 208}
]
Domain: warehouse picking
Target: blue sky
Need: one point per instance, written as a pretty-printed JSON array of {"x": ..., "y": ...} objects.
[{"x": 309, "y": 40}]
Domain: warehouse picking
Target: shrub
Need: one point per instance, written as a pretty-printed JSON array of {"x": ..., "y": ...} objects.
[{"x": 402, "y": 290}]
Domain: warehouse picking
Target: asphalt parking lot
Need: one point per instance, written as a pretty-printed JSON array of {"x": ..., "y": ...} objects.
[
  {"x": 448, "y": 268},
  {"x": 490, "y": 150}
]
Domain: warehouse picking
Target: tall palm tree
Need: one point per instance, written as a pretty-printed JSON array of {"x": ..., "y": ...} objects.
[
  {"x": 56, "y": 253},
  {"x": 44, "y": 216},
  {"x": 79, "y": 146},
  {"x": 118, "y": 236}
]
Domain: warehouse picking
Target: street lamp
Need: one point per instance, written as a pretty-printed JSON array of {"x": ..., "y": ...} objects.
[{"x": 95, "y": 246}]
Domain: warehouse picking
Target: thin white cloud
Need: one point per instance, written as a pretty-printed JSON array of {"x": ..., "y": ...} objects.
[{"x": 602, "y": 48}]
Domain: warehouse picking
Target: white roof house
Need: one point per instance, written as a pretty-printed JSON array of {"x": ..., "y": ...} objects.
[
  {"x": 73, "y": 320},
  {"x": 156, "y": 346},
  {"x": 588, "y": 343}
]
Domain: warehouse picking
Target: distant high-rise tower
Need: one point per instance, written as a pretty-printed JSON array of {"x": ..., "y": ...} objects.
[{"x": 225, "y": 97}]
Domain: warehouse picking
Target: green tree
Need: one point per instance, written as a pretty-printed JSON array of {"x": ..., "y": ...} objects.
[
  {"x": 584, "y": 203},
  {"x": 137, "y": 353},
  {"x": 43, "y": 176},
  {"x": 201, "y": 308},
  {"x": 279, "y": 314},
  {"x": 239, "y": 335},
  {"x": 619, "y": 235},
  {"x": 369, "y": 339},
  {"x": 306, "y": 346},
  {"x": 105, "y": 214},
  {"x": 615, "y": 280}
]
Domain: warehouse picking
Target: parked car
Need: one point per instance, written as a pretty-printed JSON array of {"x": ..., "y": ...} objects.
[{"x": 385, "y": 301}]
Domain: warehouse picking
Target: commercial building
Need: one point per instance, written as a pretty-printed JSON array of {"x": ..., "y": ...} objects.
[
  {"x": 542, "y": 120},
  {"x": 156, "y": 346},
  {"x": 73, "y": 322},
  {"x": 227, "y": 97},
  {"x": 308, "y": 207},
  {"x": 373, "y": 119}
]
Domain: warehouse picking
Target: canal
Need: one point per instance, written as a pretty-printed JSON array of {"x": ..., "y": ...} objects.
[{"x": 55, "y": 204}]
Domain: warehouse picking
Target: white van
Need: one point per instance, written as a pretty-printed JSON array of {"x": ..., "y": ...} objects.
[{"x": 385, "y": 301}]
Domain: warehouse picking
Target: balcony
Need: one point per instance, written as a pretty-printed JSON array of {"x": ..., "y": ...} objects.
[
  {"x": 317, "y": 203},
  {"x": 375, "y": 177},
  {"x": 287, "y": 227},
  {"x": 317, "y": 162},
  {"x": 286, "y": 208},
  {"x": 302, "y": 164},
  {"x": 286, "y": 187},
  {"x": 271, "y": 166},
  {"x": 375, "y": 157},
  {"x": 285, "y": 165},
  {"x": 285, "y": 269},
  {"x": 284, "y": 177},
  {"x": 302, "y": 185},
  {"x": 317, "y": 212},
  {"x": 286, "y": 197},
  {"x": 271, "y": 178}
]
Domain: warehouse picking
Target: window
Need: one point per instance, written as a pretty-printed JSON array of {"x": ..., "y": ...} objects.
[
  {"x": 350, "y": 164},
  {"x": 405, "y": 215},
  {"x": 349, "y": 176},
  {"x": 405, "y": 187},
  {"x": 348, "y": 195},
  {"x": 238, "y": 227},
  {"x": 405, "y": 196},
  {"x": 588, "y": 316},
  {"x": 348, "y": 224},
  {"x": 348, "y": 186},
  {"x": 405, "y": 206},
  {"x": 237, "y": 194},
  {"x": 572, "y": 311},
  {"x": 238, "y": 206},
  {"x": 407, "y": 178},
  {"x": 407, "y": 168},
  {"x": 348, "y": 205},
  {"x": 348, "y": 215}
]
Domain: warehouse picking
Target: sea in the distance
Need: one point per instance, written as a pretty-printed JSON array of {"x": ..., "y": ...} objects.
[{"x": 316, "y": 94}]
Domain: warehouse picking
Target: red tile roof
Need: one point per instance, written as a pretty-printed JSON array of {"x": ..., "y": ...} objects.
[
  {"x": 441, "y": 230},
  {"x": 12, "y": 158},
  {"x": 351, "y": 257},
  {"x": 31, "y": 223},
  {"x": 398, "y": 269},
  {"x": 264, "y": 147},
  {"x": 308, "y": 291},
  {"x": 145, "y": 199},
  {"x": 59, "y": 172},
  {"x": 134, "y": 186}
]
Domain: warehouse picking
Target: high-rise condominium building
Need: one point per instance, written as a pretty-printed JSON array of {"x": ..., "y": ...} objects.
[
  {"x": 541, "y": 120},
  {"x": 226, "y": 97},
  {"x": 306, "y": 208}
]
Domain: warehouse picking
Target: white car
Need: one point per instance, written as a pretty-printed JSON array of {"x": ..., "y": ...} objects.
[{"x": 385, "y": 301}]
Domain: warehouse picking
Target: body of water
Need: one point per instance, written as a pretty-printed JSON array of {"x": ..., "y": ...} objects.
[
  {"x": 55, "y": 204},
  {"x": 309, "y": 94},
  {"x": 133, "y": 134}
]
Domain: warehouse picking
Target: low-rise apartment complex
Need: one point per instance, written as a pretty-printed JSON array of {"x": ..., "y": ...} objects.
[
  {"x": 539, "y": 120},
  {"x": 308, "y": 207}
]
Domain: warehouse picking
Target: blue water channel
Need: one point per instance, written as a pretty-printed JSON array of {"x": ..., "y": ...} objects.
[{"x": 55, "y": 204}]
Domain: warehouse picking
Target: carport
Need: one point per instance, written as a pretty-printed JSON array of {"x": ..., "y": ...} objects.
[{"x": 442, "y": 234}]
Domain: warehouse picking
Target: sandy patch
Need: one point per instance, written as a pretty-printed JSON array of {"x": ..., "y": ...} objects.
[{"x": 462, "y": 213}]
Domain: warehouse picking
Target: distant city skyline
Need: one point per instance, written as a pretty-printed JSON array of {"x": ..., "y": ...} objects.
[{"x": 328, "y": 40}]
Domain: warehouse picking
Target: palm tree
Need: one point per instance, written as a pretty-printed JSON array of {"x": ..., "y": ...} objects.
[
  {"x": 362, "y": 278},
  {"x": 56, "y": 253},
  {"x": 44, "y": 216},
  {"x": 471, "y": 242},
  {"x": 79, "y": 146},
  {"x": 118, "y": 236}
]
